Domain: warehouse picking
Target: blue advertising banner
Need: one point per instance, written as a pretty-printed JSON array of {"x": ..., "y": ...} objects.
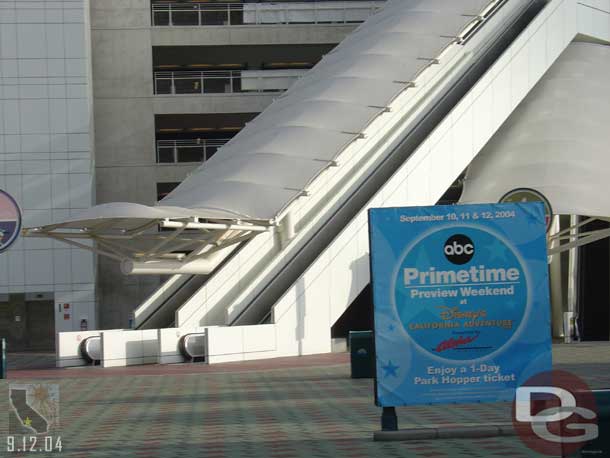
[{"x": 462, "y": 308}]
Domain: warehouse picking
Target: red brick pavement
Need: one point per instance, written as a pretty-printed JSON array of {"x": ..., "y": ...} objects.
[{"x": 331, "y": 359}]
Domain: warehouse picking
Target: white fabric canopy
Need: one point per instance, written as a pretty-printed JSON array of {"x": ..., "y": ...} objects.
[
  {"x": 556, "y": 141},
  {"x": 273, "y": 159},
  {"x": 127, "y": 215}
]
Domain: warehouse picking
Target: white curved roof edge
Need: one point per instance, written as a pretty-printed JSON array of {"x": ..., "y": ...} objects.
[
  {"x": 556, "y": 141},
  {"x": 129, "y": 216},
  {"x": 235, "y": 184}
]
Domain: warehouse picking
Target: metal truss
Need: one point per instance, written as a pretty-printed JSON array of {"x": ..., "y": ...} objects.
[
  {"x": 156, "y": 240},
  {"x": 572, "y": 237}
]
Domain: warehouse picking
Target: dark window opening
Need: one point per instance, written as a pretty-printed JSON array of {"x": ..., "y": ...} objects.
[
  {"x": 195, "y": 138},
  {"x": 163, "y": 189}
]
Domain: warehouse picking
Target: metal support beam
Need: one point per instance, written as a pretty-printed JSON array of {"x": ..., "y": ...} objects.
[
  {"x": 579, "y": 239},
  {"x": 213, "y": 226},
  {"x": 202, "y": 266}
]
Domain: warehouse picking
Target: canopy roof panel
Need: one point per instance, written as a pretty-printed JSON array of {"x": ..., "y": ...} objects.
[
  {"x": 342, "y": 89},
  {"x": 556, "y": 141},
  {"x": 313, "y": 143},
  {"x": 392, "y": 43},
  {"x": 320, "y": 114},
  {"x": 128, "y": 216}
]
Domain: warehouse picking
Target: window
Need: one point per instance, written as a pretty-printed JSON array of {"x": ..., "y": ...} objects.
[
  {"x": 195, "y": 138},
  {"x": 163, "y": 189}
]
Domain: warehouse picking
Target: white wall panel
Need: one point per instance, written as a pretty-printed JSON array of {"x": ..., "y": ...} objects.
[
  {"x": 38, "y": 265},
  {"x": 593, "y": 18},
  {"x": 62, "y": 268},
  {"x": 36, "y": 194},
  {"x": 73, "y": 41},
  {"x": 227, "y": 344},
  {"x": 29, "y": 40},
  {"x": 80, "y": 190},
  {"x": 8, "y": 40},
  {"x": 16, "y": 275},
  {"x": 4, "y": 270},
  {"x": 11, "y": 122},
  {"x": 127, "y": 348},
  {"x": 259, "y": 338},
  {"x": 82, "y": 266},
  {"x": 39, "y": 43}
]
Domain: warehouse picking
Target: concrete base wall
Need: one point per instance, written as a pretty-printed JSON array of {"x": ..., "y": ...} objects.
[{"x": 127, "y": 348}]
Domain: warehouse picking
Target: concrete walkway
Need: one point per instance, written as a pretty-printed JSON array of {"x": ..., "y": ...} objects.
[{"x": 295, "y": 407}]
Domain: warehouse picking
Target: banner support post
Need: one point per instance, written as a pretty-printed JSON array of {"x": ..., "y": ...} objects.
[
  {"x": 2, "y": 358},
  {"x": 389, "y": 420}
]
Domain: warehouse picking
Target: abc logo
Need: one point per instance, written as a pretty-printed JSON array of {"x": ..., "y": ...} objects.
[{"x": 459, "y": 249}]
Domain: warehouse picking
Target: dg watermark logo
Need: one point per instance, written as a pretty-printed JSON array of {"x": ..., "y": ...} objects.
[{"x": 555, "y": 414}]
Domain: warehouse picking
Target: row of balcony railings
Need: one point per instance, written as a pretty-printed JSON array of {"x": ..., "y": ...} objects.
[
  {"x": 189, "y": 14},
  {"x": 224, "y": 81},
  {"x": 188, "y": 150}
]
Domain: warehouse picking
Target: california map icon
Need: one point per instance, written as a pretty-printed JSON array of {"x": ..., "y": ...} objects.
[{"x": 33, "y": 408}]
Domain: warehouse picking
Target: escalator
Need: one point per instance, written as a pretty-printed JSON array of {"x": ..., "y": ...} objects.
[
  {"x": 157, "y": 311},
  {"x": 481, "y": 44},
  {"x": 258, "y": 310}
]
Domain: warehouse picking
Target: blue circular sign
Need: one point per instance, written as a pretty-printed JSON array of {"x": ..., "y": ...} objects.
[
  {"x": 10, "y": 220},
  {"x": 460, "y": 293}
]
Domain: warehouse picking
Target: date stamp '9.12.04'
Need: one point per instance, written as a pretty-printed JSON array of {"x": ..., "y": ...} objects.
[{"x": 33, "y": 418}]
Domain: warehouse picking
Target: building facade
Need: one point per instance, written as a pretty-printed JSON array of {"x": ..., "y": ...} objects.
[
  {"x": 163, "y": 85},
  {"x": 46, "y": 164}
]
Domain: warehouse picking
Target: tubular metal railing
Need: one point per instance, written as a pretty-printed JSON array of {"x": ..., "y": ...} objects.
[
  {"x": 191, "y": 82},
  {"x": 203, "y": 14},
  {"x": 219, "y": 82},
  {"x": 190, "y": 150}
]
